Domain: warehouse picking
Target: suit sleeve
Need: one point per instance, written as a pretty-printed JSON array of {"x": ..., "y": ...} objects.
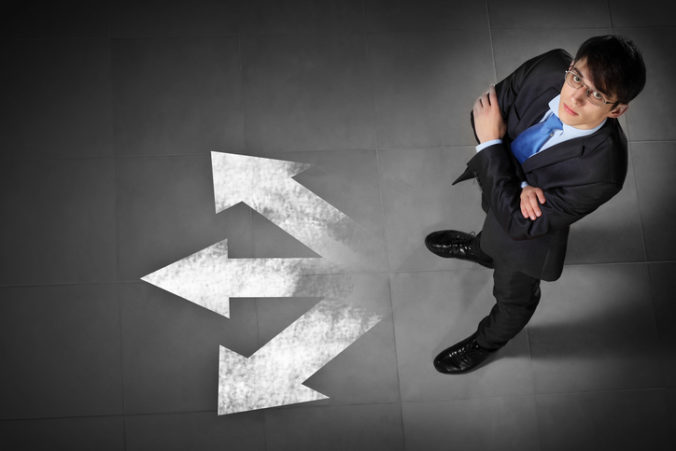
[{"x": 564, "y": 205}]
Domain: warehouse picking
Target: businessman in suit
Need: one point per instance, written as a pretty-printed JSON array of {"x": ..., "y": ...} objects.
[{"x": 550, "y": 152}]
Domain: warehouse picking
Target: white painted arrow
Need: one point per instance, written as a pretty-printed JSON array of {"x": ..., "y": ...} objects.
[
  {"x": 267, "y": 186},
  {"x": 209, "y": 278},
  {"x": 274, "y": 374}
]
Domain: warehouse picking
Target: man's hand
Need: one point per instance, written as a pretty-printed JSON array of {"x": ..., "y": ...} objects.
[
  {"x": 488, "y": 122},
  {"x": 530, "y": 208}
]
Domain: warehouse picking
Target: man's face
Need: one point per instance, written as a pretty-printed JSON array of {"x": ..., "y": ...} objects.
[{"x": 575, "y": 109}]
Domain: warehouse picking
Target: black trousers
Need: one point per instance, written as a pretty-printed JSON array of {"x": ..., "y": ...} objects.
[{"x": 516, "y": 297}]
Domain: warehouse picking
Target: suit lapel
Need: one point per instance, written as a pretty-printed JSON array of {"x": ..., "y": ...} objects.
[
  {"x": 566, "y": 150},
  {"x": 563, "y": 151}
]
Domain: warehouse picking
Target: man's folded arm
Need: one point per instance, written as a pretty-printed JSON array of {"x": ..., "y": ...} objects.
[{"x": 502, "y": 189}]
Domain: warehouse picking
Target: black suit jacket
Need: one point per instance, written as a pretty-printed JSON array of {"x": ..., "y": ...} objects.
[{"x": 577, "y": 176}]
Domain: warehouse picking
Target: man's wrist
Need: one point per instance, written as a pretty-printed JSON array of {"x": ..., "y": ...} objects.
[{"x": 485, "y": 144}]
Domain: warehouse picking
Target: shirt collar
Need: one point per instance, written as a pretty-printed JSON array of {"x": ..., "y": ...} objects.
[{"x": 569, "y": 130}]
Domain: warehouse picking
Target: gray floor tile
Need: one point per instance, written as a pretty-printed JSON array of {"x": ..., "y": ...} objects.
[
  {"x": 663, "y": 287},
  {"x": 195, "y": 431},
  {"x": 654, "y": 165},
  {"x": 612, "y": 233},
  {"x": 171, "y": 349},
  {"x": 165, "y": 212},
  {"x": 648, "y": 13},
  {"x": 46, "y": 19},
  {"x": 176, "y": 95},
  {"x": 649, "y": 116},
  {"x": 505, "y": 423},
  {"x": 419, "y": 199},
  {"x": 434, "y": 310},
  {"x": 426, "y": 83},
  {"x": 171, "y": 18},
  {"x": 549, "y": 14},
  {"x": 301, "y": 16},
  {"x": 307, "y": 93},
  {"x": 67, "y": 434},
  {"x": 368, "y": 427},
  {"x": 617, "y": 420},
  {"x": 593, "y": 328},
  {"x": 56, "y": 97},
  {"x": 60, "y": 351},
  {"x": 59, "y": 221},
  {"x": 426, "y": 15}
]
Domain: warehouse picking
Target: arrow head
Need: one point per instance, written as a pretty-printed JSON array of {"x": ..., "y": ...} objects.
[
  {"x": 240, "y": 178},
  {"x": 198, "y": 278},
  {"x": 249, "y": 384}
]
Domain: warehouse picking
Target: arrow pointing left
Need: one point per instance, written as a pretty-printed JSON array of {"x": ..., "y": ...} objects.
[{"x": 209, "y": 278}]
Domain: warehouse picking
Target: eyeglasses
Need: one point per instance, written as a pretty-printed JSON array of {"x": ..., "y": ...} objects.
[{"x": 574, "y": 80}]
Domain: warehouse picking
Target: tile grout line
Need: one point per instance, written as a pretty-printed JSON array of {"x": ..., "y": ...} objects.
[
  {"x": 376, "y": 114},
  {"x": 640, "y": 216},
  {"x": 374, "y": 102},
  {"x": 252, "y": 250},
  {"x": 540, "y": 394},
  {"x": 15, "y": 158},
  {"x": 111, "y": 92},
  {"x": 490, "y": 41},
  {"x": 383, "y": 272},
  {"x": 396, "y": 362},
  {"x": 379, "y": 176},
  {"x": 349, "y": 404},
  {"x": 610, "y": 17},
  {"x": 242, "y": 99}
]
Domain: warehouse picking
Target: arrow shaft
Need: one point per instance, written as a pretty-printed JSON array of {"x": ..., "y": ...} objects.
[
  {"x": 281, "y": 277},
  {"x": 312, "y": 340},
  {"x": 306, "y": 216}
]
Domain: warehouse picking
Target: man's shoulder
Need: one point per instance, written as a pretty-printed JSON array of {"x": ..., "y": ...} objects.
[
  {"x": 610, "y": 136},
  {"x": 553, "y": 62},
  {"x": 557, "y": 57}
]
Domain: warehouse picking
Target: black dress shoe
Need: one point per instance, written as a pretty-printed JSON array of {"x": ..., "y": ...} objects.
[
  {"x": 462, "y": 357},
  {"x": 454, "y": 244}
]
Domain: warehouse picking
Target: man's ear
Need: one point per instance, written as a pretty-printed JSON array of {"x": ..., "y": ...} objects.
[{"x": 618, "y": 111}]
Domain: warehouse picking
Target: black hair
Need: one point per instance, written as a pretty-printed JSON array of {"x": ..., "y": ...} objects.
[{"x": 615, "y": 66}]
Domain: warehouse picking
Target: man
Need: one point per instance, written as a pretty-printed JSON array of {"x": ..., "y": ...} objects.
[{"x": 550, "y": 152}]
